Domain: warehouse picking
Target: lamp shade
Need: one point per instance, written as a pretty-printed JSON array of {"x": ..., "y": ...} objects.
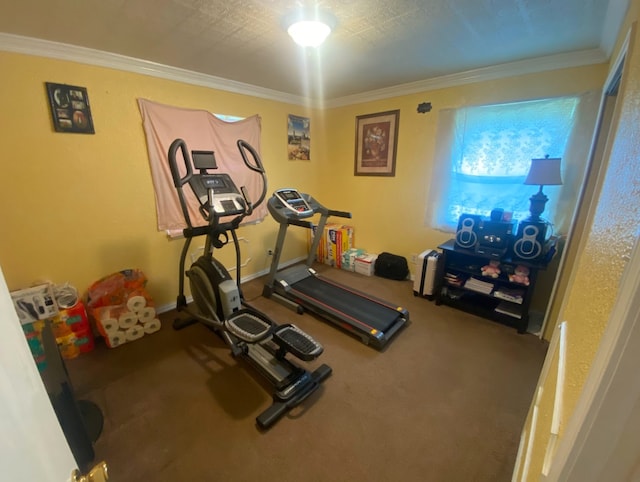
[{"x": 544, "y": 172}]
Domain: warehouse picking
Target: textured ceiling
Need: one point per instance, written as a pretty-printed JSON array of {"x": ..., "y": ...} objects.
[{"x": 376, "y": 43}]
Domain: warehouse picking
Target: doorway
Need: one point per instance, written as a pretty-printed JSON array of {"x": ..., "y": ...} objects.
[{"x": 586, "y": 202}]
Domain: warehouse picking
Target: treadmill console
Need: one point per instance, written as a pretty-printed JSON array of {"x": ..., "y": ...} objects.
[{"x": 293, "y": 201}]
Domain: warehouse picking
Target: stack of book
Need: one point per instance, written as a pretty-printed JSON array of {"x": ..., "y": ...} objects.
[
  {"x": 480, "y": 286},
  {"x": 453, "y": 279}
]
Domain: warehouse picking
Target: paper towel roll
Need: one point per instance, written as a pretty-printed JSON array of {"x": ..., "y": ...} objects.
[
  {"x": 136, "y": 302},
  {"x": 109, "y": 325},
  {"x": 151, "y": 326},
  {"x": 134, "y": 333},
  {"x": 147, "y": 314},
  {"x": 127, "y": 320},
  {"x": 116, "y": 339}
]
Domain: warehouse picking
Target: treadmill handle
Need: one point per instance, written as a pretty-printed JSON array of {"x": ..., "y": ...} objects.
[
  {"x": 340, "y": 214},
  {"x": 300, "y": 222}
]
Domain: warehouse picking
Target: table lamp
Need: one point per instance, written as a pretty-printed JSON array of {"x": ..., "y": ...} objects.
[{"x": 543, "y": 172}]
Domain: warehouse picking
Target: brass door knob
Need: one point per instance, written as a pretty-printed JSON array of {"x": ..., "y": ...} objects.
[{"x": 98, "y": 473}]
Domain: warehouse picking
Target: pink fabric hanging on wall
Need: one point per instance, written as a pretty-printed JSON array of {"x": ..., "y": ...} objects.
[{"x": 200, "y": 130}]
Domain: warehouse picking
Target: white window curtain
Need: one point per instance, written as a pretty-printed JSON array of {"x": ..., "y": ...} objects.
[
  {"x": 483, "y": 155},
  {"x": 201, "y": 130}
]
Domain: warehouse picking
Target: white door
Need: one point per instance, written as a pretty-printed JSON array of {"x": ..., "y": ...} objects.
[{"x": 32, "y": 444}]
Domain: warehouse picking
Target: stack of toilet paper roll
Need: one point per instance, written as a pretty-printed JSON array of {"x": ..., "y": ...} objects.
[{"x": 121, "y": 324}]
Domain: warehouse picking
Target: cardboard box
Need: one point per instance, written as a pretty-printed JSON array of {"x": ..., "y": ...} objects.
[
  {"x": 322, "y": 249},
  {"x": 347, "y": 242},
  {"x": 328, "y": 240},
  {"x": 36, "y": 303},
  {"x": 349, "y": 258},
  {"x": 339, "y": 240},
  {"x": 335, "y": 240},
  {"x": 365, "y": 264}
]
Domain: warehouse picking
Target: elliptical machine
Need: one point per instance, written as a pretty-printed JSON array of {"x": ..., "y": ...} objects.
[{"x": 218, "y": 300}]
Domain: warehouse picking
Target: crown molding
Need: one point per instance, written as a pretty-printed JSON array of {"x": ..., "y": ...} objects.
[
  {"x": 45, "y": 48},
  {"x": 61, "y": 51},
  {"x": 510, "y": 69}
]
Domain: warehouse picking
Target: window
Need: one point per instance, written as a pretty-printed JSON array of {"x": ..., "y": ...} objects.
[
  {"x": 483, "y": 155},
  {"x": 228, "y": 118}
]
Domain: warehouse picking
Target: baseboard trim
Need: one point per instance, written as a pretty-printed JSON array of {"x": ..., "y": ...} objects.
[{"x": 172, "y": 306}]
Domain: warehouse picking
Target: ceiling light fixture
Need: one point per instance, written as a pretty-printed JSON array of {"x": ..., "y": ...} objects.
[{"x": 309, "y": 27}]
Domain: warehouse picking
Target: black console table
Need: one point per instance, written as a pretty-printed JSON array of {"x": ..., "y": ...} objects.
[{"x": 460, "y": 284}]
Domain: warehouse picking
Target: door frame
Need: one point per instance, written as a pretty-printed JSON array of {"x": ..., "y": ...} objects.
[{"x": 601, "y": 438}]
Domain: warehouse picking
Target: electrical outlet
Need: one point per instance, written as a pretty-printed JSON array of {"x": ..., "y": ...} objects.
[
  {"x": 269, "y": 252},
  {"x": 414, "y": 258}
]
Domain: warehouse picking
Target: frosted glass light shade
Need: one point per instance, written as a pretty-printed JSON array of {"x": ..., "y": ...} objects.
[{"x": 309, "y": 33}]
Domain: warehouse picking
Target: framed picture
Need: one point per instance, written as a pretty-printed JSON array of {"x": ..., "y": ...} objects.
[
  {"x": 299, "y": 140},
  {"x": 376, "y": 144},
  {"x": 70, "y": 108}
]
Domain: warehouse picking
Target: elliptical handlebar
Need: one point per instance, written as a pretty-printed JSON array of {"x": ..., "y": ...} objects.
[
  {"x": 173, "y": 165},
  {"x": 244, "y": 146},
  {"x": 199, "y": 184}
]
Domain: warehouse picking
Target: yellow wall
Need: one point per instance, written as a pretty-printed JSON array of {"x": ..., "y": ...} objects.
[
  {"x": 78, "y": 207},
  {"x": 389, "y": 213},
  {"x": 608, "y": 240}
]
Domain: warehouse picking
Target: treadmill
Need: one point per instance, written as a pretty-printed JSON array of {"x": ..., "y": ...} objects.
[{"x": 301, "y": 288}]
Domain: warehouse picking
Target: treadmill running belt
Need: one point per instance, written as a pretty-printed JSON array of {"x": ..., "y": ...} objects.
[{"x": 364, "y": 313}]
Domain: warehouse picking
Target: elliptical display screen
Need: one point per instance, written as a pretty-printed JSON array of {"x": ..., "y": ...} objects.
[
  {"x": 227, "y": 201},
  {"x": 204, "y": 160},
  {"x": 216, "y": 182}
]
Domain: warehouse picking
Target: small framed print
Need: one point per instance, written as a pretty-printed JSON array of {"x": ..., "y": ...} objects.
[
  {"x": 299, "y": 139},
  {"x": 376, "y": 144},
  {"x": 70, "y": 109}
]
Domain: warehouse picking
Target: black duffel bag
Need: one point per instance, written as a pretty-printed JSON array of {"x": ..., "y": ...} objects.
[{"x": 391, "y": 266}]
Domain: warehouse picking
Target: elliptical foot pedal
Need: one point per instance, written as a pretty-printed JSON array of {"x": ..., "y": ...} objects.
[
  {"x": 297, "y": 342},
  {"x": 248, "y": 327}
]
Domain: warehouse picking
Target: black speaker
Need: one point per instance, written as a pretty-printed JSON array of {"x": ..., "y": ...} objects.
[
  {"x": 529, "y": 243},
  {"x": 496, "y": 214},
  {"x": 467, "y": 233},
  {"x": 494, "y": 238}
]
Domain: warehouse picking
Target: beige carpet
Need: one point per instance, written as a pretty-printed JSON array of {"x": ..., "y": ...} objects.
[{"x": 446, "y": 401}]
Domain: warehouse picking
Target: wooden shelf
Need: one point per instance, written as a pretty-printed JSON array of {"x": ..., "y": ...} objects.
[{"x": 460, "y": 265}]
